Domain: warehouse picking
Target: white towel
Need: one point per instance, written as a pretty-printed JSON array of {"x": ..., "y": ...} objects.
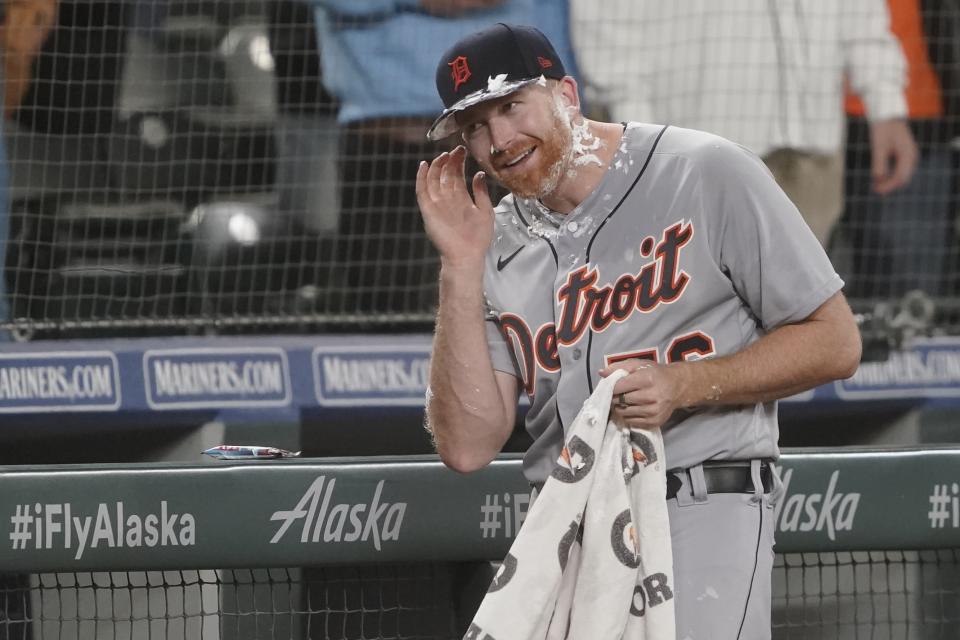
[{"x": 593, "y": 560}]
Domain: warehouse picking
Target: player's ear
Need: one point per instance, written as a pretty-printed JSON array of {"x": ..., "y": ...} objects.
[{"x": 569, "y": 92}]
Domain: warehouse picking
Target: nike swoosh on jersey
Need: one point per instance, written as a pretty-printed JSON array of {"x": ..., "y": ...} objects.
[{"x": 503, "y": 262}]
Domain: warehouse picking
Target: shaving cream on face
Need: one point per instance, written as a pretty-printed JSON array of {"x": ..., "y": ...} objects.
[
  {"x": 584, "y": 142},
  {"x": 560, "y": 168},
  {"x": 552, "y": 179}
]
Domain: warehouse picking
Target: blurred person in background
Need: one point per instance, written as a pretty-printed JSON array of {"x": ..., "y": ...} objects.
[
  {"x": 26, "y": 25},
  {"x": 765, "y": 74},
  {"x": 307, "y": 139},
  {"x": 378, "y": 61},
  {"x": 306, "y": 128},
  {"x": 901, "y": 241}
]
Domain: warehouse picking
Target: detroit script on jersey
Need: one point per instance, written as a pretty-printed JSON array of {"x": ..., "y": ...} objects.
[
  {"x": 686, "y": 249},
  {"x": 585, "y": 305}
]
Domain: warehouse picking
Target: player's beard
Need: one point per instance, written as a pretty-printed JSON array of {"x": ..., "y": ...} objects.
[{"x": 552, "y": 159}]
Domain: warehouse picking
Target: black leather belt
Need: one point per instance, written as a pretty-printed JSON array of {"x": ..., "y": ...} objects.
[{"x": 729, "y": 476}]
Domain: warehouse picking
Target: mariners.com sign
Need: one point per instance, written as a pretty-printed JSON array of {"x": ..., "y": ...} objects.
[
  {"x": 59, "y": 381},
  {"x": 302, "y": 374},
  {"x": 215, "y": 378}
]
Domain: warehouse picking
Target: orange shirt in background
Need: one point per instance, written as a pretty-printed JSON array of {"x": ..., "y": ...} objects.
[{"x": 923, "y": 93}]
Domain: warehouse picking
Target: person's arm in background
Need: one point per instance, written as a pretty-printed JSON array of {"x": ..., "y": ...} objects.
[
  {"x": 26, "y": 27},
  {"x": 876, "y": 70},
  {"x": 452, "y": 8},
  {"x": 385, "y": 8},
  {"x": 941, "y": 27}
]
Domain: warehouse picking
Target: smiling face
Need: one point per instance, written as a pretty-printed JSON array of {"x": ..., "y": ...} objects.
[{"x": 523, "y": 140}]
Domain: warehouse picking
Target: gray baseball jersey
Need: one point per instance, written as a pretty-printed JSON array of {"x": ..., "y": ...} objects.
[{"x": 686, "y": 249}]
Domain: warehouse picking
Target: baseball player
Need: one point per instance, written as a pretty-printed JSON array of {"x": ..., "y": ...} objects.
[{"x": 667, "y": 252}]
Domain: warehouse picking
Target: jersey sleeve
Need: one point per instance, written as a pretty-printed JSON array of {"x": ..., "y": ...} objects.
[
  {"x": 501, "y": 351},
  {"x": 762, "y": 243},
  {"x": 501, "y": 354}
]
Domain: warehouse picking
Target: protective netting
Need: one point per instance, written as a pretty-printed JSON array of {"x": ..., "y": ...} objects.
[
  {"x": 894, "y": 595},
  {"x": 208, "y": 163},
  {"x": 867, "y": 595},
  {"x": 382, "y": 601}
]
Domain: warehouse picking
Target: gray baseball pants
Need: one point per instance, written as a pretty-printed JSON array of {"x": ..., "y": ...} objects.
[{"x": 723, "y": 559}]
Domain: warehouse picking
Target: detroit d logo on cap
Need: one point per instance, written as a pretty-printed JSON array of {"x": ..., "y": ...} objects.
[{"x": 460, "y": 71}]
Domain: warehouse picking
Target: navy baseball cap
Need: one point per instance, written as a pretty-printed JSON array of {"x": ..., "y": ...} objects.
[{"x": 489, "y": 64}]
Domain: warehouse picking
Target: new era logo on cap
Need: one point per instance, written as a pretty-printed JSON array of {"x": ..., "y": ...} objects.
[{"x": 489, "y": 64}]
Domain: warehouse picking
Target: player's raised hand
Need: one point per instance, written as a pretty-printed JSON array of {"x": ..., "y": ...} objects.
[
  {"x": 647, "y": 396},
  {"x": 459, "y": 226}
]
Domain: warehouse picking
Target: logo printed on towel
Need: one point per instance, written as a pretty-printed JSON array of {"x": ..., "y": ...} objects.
[
  {"x": 476, "y": 633},
  {"x": 575, "y": 462},
  {"x": 504, "y": 574},
  {"x": 573, "y": 534},
  {"x": 644, "y": 453},
  {"x": 623, "y": 539},
  {"x": 654, "y": 590}
]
